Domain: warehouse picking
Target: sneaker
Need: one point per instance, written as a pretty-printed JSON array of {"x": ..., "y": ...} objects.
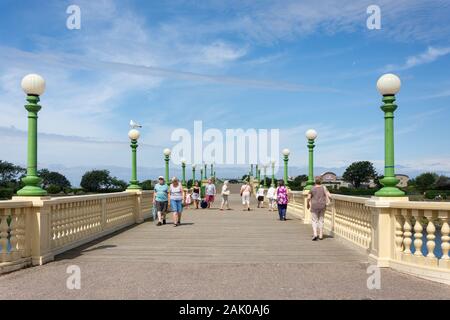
[
  {"x": 164, "y": 221},
  {"x": 314, "y": 239},
  {"x": 248, "y": 209},
  {"x": 320, "y": 238},
  {"x": 159, "y": 224}
]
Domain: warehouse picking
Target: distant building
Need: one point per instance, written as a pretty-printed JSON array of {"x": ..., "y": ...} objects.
[
  {"x": 331, "y": 180},
  {"x": 404, "y": 179}
]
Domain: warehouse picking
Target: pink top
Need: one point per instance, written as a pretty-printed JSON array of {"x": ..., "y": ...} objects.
[{"x": 282, "y": 195}]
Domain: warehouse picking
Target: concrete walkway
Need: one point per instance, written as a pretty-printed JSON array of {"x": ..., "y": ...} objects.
[{"x": 216, "y": 255}]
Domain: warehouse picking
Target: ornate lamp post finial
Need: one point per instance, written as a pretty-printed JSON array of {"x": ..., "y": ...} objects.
[
  {"x": 167, "y": 153},
  {"x": 286, "y": 153},
  {"x": 311, "y": 135},
  {"x": 388, "y": 85},
  {"x": 134, "y": 135},
  {"x": 34, "y": 86}
]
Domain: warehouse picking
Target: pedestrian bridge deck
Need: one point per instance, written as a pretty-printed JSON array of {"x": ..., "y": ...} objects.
[{"x": 216, "y": 255}]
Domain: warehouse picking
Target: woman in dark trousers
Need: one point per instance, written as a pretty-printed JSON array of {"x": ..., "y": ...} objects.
[{"x": 282, "y": 200}]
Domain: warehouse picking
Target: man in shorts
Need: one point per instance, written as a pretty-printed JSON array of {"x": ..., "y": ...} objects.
[{"x": 160, "y": 200}]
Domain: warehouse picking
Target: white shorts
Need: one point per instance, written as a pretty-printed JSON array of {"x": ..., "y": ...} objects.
[{"x": 245, "y": 198}]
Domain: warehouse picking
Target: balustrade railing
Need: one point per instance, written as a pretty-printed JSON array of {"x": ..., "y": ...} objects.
[
  {"x": 412, "y": 237},
  {"x": 34, "y": 231}
]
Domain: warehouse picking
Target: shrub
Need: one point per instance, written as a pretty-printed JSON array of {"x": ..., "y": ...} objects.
[
  {"x": 6, "y": 193},
  {"x": 53, "y": 189},
  {"x": 432, "y": 194}
]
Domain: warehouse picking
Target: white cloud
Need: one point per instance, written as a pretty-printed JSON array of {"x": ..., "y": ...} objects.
[
  {"x": 220, "y": 52},
  {"x": 429, "y": 56}
]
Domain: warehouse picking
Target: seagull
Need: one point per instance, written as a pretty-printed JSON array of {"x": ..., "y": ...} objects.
[{"x": 134, "y": 125}]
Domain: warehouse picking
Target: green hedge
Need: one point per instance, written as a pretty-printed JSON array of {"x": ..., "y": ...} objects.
[
  {"x": 6, "y": 193},
  {"x": 354, "y": 192},
  {"x": 432, "y": 194}
]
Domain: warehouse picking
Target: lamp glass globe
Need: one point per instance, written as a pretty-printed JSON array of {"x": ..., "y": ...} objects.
[
  {"x": 33, "y": 84},
  {"x": 134, "y": 134},
  {"x": 389, "y": 84},
  {"x": 311, "y": 134},
  {"x": 167, "y": 152},
  {"x": 286, "y": 152}
]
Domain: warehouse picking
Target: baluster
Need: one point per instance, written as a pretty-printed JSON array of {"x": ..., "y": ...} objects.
[
  {"x": 407, "y": 233},
  {"x": 4, "y": 257},
  {"x": 21, "y": 231},
  {"x": 444, "y": 262},
  {"x": 13, "y": 234},
  {"x": 398, "y": 233},
  {"x": 445, "y": 238},
  {"x": 418, "y": 235},
  {"x": 431, "y": 231}
]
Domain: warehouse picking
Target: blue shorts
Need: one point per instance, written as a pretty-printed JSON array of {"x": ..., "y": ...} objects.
[{"x": 176, "y": 206}]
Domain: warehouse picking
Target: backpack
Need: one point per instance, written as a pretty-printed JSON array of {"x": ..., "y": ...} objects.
[{"x": 204, "y": 204}]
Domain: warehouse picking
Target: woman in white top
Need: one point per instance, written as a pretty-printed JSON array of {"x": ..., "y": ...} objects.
[
  {"x": 225, "y": 194},
  {"x": 272, "y": 196},
  {"x": 260, "y": 196},
  {"x": 246, "y": 191},
  {"x": 176, "y": 196}
]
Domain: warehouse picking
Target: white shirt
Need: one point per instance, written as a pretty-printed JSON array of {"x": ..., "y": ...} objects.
[
  {"x": 271, "y": 193},
  {"x": 260, "y": 192}
]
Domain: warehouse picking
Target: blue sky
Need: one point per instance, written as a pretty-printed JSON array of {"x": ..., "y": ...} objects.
[{"x": 291, "y": 65}]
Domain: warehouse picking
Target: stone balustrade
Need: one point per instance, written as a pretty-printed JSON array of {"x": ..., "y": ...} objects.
[
  {"x": 34, "y": 230},
  {"x": 409, "y": 236}
]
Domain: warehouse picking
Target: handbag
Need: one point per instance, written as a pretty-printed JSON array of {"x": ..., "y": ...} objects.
[
  {"x": 154, "y": 213},
  {"x": 327, "y": 196}
]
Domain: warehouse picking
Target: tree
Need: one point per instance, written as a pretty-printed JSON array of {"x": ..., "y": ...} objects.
[
  {"x": 425, "y": 181},
  {"x": 51, "y": 178},
  {"x": 101, "y": 181},
  {"x": 443, "y": 183},
  {"x": 359, "y": 172},
  {"x": 146, "y": 185},
  {"x": 296, "y": 184},
  {"x": 10, "y": 173}
]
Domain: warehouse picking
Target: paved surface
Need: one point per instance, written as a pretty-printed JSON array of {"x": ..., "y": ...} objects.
[{"x": 216, "y": 255}]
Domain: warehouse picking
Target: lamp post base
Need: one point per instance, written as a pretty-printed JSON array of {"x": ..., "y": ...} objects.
[
  {"x": 31, "y": 191},
  {"x": 134, "y": 186},
  {"x": 390, "y": 192},
  {"x": 308, "y": 187}
]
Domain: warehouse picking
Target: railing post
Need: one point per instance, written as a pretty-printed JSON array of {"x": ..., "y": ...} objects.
[
  {"x": 382, "y": 247},
  {"x": 138, "y": 212},
  {"x": 38, "y": 230},
  {"x": 307, "y": 212}
]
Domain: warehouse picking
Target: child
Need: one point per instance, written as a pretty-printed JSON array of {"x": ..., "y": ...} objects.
[{"x": 188, "y": 200}]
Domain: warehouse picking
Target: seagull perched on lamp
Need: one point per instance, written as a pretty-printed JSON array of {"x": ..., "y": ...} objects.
[{"x": 134, "y": 125}]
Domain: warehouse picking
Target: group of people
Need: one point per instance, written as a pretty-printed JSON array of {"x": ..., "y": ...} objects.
[
  {"x": 277, "y": 197},
  {"x": 318, "y": 199}
]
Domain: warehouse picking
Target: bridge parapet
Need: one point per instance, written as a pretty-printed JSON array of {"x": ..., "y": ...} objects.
[
  {"x": 409, "y": 236},
  {"x": 34, "y": 230}
]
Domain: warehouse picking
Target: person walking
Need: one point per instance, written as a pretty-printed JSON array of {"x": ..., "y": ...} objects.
[
  {"x": 160, "y": 200},
  {"x": 282, "y": 200},
  {"x": 196, "y": 194},
  {"x": 176, "y": 196},
  {"x": 246, "y": 191},
  {"x": 260, "y": 196},
  {"x": 210, "y": 192},
  {"x": 225, "y": 193},
  {"x": 318, "y": 199},
  {"x": 272, "y": 197}
]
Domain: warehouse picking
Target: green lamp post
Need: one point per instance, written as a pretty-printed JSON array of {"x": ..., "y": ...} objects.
[
  {"x": 193, "y": 174},
  {"x": 206, "y": 172},
  {"x": 201, "y": 174},
  {"x": 273, "y": 174},
  {"x": 134, "y": 135},
  {"x": 388, "y": 85},
  {"x": 167, "y": 153},
  {"x": 212, "y": 170},
  {"x": 34, "y": 86},
  {"x": 183, "y": 169},
  {"x": 265, "y": 176},
  {"x": 251, "y": 170},
  {"x": 286, "y": 153},
  {"x": 311, "y": 135}
]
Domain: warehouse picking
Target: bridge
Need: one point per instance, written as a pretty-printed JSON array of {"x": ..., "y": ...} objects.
[{"x": 217, "y": 254}]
